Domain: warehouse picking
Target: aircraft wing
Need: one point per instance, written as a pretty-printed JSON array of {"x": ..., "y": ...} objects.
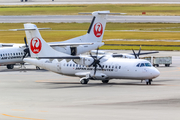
[
  {"x": 69, "y": 44},
  {"x": 6, "y": 45},
  {"x": 11, "y": 45},
  {"x": 145, "y": 53},
  {"x": 63, "y": 57},
  {"x": 82, "y": 74}
]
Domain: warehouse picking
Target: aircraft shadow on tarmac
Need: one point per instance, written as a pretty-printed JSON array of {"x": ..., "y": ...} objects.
[
  {"x": 21, "y": 70},
  {"x": 111, "y": 84}
]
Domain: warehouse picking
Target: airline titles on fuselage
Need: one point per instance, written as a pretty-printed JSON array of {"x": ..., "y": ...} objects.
[{"x": 6, "y": 56}]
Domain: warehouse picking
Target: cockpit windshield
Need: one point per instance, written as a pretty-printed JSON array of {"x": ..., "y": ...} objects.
[
  {"x": 148, "y": 64},
  {"x": 143, "y": 65}
]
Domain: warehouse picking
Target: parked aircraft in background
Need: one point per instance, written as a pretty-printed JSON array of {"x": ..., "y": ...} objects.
[
  {"x": 11, "y": 55},
  {"x": 75, "y": 46},
  {"x": 97, "y": 67}
]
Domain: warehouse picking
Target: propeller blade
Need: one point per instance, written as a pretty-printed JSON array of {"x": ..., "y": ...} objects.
[
  {"x": 25, "y": 41},
  {"x": 24, "y": 55},
  {"x": 101, "y": 57},
  {"x": 134, "y": 54},
  {"x": 95, "y": 70},
  {"x": 91, "y": 64},
  {"x": 139, "y": 52},
  {"x": 97, "y": 52},
  {"x": 100, "y": 66}
]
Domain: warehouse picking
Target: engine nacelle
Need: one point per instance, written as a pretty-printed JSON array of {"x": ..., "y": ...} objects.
[{"x": 84, "y": 60}]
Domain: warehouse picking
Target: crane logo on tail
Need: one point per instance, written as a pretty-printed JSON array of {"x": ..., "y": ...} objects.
[
  {"x": 98, "y": 29},
  {"x": 35, "y": 45}
]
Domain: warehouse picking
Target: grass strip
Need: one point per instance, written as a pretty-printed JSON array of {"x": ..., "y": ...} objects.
[
  {"x": 109, "y": 26},
  {"x": 162, "y": 48},
  {"x": 130, "y": 9}
]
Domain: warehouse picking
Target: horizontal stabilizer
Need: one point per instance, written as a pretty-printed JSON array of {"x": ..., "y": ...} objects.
[
  {"x": 102, "y": 13},
  {"x": 29, "y": 29}
]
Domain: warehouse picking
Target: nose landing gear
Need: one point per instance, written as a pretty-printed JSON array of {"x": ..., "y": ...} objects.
[{"x": 148, "y": 82}]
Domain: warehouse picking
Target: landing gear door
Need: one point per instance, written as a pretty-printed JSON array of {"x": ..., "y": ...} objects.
[{"x": 73, "y": 50}]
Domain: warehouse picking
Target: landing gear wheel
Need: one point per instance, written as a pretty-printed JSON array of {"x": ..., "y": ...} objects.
[
  {"x": 10, "y": 66},
  {"x": 37, "y": 68},
  {"x": 84, "y": 81},
  {"x": 105, "y": 81},
  {"x": 148, "y": 82}
]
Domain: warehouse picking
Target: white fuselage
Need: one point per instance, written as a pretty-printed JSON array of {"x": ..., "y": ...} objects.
[
  {"x": 113, "y": 68},
  {"x": 11, "y": 55}
]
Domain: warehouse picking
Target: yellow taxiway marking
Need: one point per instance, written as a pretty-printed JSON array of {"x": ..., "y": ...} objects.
[
  {"x": 43, "y": 111},
  {"x": 21, "y": 117}
]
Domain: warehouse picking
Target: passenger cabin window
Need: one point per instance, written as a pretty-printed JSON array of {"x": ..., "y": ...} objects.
[{"x": 119, "y": 67}]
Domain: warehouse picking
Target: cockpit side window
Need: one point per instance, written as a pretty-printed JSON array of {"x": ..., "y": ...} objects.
[
  {"x": 142, "y": 65},
  {"x": 138, "y": 65}
]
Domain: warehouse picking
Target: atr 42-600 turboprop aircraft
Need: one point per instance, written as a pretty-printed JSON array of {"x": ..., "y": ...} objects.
[
  {"x": 75, "y": 46},
  {"x": 98, "y": 67}
]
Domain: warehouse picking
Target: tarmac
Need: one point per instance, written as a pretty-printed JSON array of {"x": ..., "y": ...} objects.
[
  {"x": 87, "y": 19},
  {"x": 43, "y": 95}
]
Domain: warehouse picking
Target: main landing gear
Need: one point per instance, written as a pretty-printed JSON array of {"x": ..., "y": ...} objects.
[
  {"x": 10, "y": 66},
  {"x": 148, "y": 82},
  {"x": 105, "y": 81},
  {"x": 84, "y": 80}
]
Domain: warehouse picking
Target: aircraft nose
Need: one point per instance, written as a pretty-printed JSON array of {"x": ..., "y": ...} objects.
[{"x": 156, "y": 73}]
